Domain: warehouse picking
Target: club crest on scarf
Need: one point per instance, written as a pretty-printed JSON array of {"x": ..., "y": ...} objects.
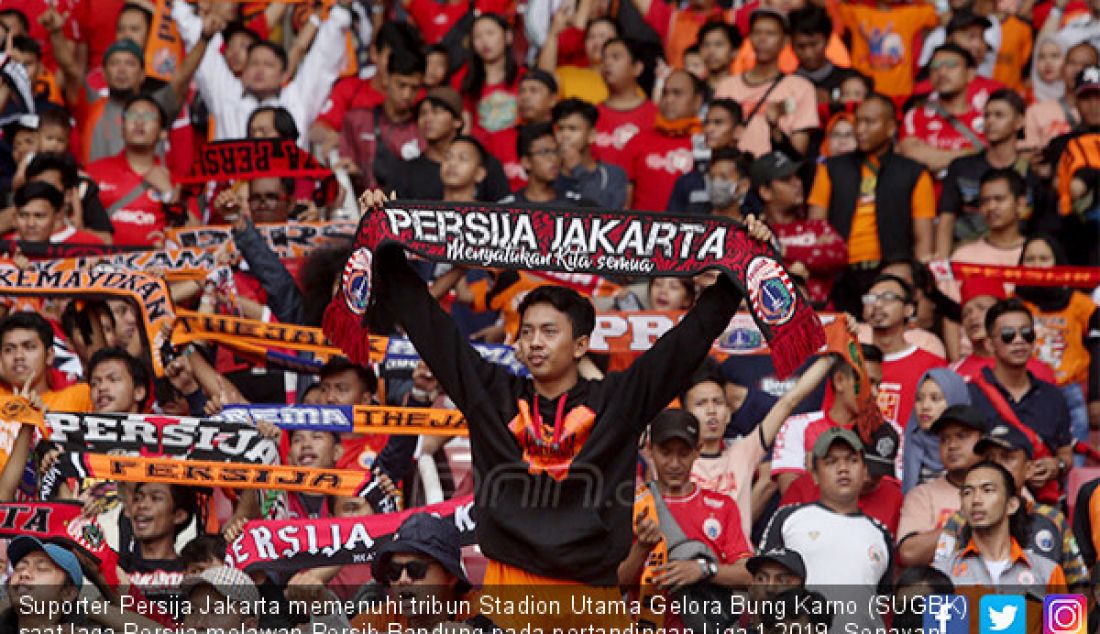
[
  {"x": 771, "y": 291},
  {"x": 356, "y": 280}
]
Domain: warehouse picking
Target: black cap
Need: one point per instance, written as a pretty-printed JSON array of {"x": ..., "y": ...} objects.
[
  {"x": 881, "y": 452},
  {"x": 1006, "y": 436},
  {"x": 544, "y": 78},
  {"x": 772, "y": 166},
  {"x": 1087, "y": 80},
  {"x": 426, "y": 535},
  {"x": 964, "y": 19},
  {"x": 674, "y": 423},
  {"x": 789, "y": 559},
  {"x": 964, "y": 415}
]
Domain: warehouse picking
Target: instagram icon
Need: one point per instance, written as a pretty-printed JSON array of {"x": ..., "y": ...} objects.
[{"x": 1064, "y": 614}]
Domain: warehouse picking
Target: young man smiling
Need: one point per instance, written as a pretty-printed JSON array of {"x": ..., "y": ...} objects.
[{"x": 556, "y": 432}]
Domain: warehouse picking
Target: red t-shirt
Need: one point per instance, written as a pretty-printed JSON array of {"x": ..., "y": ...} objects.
[
  {"x": 970, "y": 366},
  {"x": 900, "y": 373},
  {"x": 137, "y": 221},
  {"x": 435, "y": 19},
  {"x": 571, "y": 48},
  {"x": 977, "y": 91},
  {"x": 816, "y": 244},
  {"x": 615, "y": 129},
  {"x": 495, "y": 115},
  {"x": 883, "y": 504},
  {"x": 929, "y": 126},
  {"x": 656, "y": 161},
  {"x": 360, "y": 453},
  {"x": 348, "y": 93}
]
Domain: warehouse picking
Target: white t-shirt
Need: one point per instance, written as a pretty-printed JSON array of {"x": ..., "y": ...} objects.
[{"x": 789, "y": 454}]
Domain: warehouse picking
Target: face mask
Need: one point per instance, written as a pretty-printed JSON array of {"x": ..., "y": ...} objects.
[{"x": 723, "y": 193}]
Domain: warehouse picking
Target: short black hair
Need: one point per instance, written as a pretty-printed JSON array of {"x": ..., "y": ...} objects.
[
  {"x": 569, "y": 107},
  {"x": 283, "y": 120},
  {"x": 406, "y": 63},
  {"x": 25, "y": 44},
  {"x": 23, "y": 320},
  {"x": 811, "y": 20},
  {"x": 606, "y": 20},
  {"x": 706, "y": 373},
  {"x": 935, "y": 579},
  {"x": 139, "y": 374},
  {"x": 62, "y": 162},
  {"x": 1018, "y": 522},
  {"x": 162, "y": 116},
  {"x": 632, "y": 47},
  {"x": 742, "y": 161},
  {"x": 56, "y": 117},
  {"x": 236, "y": 27},
  {"x": 1015, "y": 182},
  {"x": 581, "y": 314},
  {"x": 37, "y": 190},
  {"x": 337, "y": 365},
  {"x": 274, "y": 48},
  {"x": 881, "y": 98},
  {"x": 397, "y": 36},
  {"x": 732, "y": 107},
  {"x": 203, "y": 548},
  {"x": 906, "y": 287},
  {"x": 529, "y": 133},
  {"x": 145, "y": 13},
  {"x": 482, "y": 154},
  {"x": 731, "y": 33},
  {"x": 951, "y": 47},
  {"x": 1004, "y": 307},
  {"x": 1011, "y": 97}
]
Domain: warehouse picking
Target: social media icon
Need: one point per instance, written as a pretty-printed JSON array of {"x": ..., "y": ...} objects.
[
  {"x": 946, "y": 614},
  {"x": 1065, "y": 614},
  {"x": 1003, "y": 614}
]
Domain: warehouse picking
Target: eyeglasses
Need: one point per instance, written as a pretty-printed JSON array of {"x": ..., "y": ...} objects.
[
  {"x": 145, "y": 117},
  {"x": 256, "y": 200},
  {"x": 885, "y": 297},
  {"x": 1008, "y": 335},
  {"x": 945, "y": 63},
  {"x": 416, "y": 570},
  {"x": 543, "y": 152}
]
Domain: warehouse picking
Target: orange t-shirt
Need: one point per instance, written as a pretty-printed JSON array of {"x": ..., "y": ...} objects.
[
  {"x": 835, "y": 51},
  {"x": 684, "y": 29},
  {"x": 884, "y": 42},
  {"x": 863, "y": 244},
  {"x": 1060, "y": 338},
  {"x": 75, "y": 398},
  {"x": 1015, "y": 52},
  {"x": 504, "y": 295}
]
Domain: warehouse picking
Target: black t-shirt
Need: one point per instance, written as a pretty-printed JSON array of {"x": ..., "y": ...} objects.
[
  {"x": 960, "y": 193},
  {"x": 158, "y": 579},
  {"x": 419, "y": 179}
]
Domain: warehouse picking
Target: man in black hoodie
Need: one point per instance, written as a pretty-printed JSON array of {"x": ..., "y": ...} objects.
[{"x": 554, "y": 455}]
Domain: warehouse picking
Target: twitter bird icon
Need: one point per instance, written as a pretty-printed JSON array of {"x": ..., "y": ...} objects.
[{"x": 1003, "y": 614}]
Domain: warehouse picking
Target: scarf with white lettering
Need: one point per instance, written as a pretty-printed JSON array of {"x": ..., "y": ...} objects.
[
  {"x": 292, "y": 545},
  {"x": 577, "y": 241}
]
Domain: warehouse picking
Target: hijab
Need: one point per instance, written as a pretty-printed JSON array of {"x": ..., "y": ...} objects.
[
  {"x": 1047, "y": 298},
  {"x": 1047, "y": 91},
  {"x": 922, "y": 448}
]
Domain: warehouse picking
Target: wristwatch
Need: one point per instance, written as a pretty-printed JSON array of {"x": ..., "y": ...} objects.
[{"x": 708, "y": 568}]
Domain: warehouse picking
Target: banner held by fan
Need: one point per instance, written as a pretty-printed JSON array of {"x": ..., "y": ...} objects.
[
  {"x": 288, "y": 240},
  {"x": 247, "y": 159},
  {"x": 149, "y": 294},
  {"x": 577, "y": 241},
  {"x": 1084, "y": 277},
  {"x": 842, "y": 342}
]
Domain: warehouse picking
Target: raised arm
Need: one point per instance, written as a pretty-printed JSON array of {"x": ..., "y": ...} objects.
[
  {"x": 321, "y": 66},
  {"x": 181, "y": 80},
  {"x": 806, "y": 384}
]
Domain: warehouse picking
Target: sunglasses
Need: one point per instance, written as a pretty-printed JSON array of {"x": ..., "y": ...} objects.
[
  {"x": 416, "y": 570},
  {"x": 1008, "y": 335}
]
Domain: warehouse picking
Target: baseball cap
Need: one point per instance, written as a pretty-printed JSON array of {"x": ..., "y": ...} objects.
[
  {"x": 124, "y": 46},
  {"x": 543, "y": 77},
  {"x": 881, "y": 452},
  {"x": 231, "y": 583},
  {"x": 772, "y": 166},
  {"x": 978, "y": 286},
  {"x": 789, "y": 559},
  {"x": 447, "y": 97},
  {"x": 832, "y": 435},
  {"x": 964, "y": 415},
  {"x": 966, "y": 18},
  {"x": 428, "y": 535},
  {"x": 674, "y": 423},
  {"x": 1006, "y": 436},
  {"x": 62, "y": 557},
  {"x": 1088, "y": 79},
  {"x": 768, "y": 12}
]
